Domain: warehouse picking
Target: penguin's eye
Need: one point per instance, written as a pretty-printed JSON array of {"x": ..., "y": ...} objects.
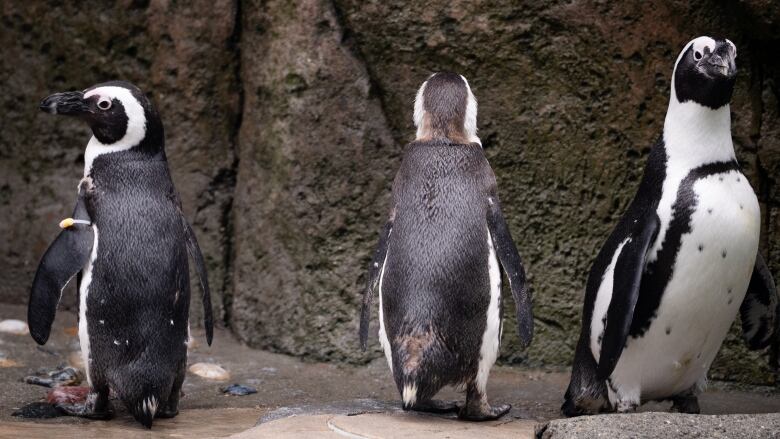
[
  {"x": 697, "y": 55},
  {"x": 104, "y": 104}
]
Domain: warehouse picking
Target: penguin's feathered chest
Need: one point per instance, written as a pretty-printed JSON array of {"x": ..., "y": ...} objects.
[{"x": 695, "y": 280}]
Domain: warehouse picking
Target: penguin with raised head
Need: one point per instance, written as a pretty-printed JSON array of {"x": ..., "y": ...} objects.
[
  {"x": 683, "y": 260},
  {"x": 436, "y": 268},
  {"x": 127, "y": 243}
]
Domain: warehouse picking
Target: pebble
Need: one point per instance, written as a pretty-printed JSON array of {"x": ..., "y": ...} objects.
[
  {"x": 238, "y": 390},
  {"x": 62, "y": 376},
  {"x": 67, "y": 395},
  {"x": 6, "y": 362},
  {"x": 72, "y": 331},
  {"x": 12, "y": 326},
  {"x": 210, "y": 371}
]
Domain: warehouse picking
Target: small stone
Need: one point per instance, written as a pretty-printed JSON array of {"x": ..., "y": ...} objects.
[
  {"x": 62, "y": 376},
  {"x": 67, "y": 395},
  {"x": 192, "y": 343},
  {"x": 37, "y": 410},
  {"x": 6, "y": 362},
  {"x": 238, "y": 390},
  {"x": 76, "y": 360},
  {"x": 210, "y": 371},
  {"x": 72, "y": 331},
  {"x": 12, "y": 326}
]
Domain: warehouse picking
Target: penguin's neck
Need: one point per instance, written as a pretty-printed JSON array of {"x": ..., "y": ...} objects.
[{"x": 695, "y": 135}]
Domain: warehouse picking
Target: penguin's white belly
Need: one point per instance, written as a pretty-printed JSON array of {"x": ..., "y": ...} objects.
[{"x": 709, "y": 280}]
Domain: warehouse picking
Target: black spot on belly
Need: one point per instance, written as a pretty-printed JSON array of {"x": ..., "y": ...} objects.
[
  {"x": 709, "y": 211},
  {"x": 737, "y": 179},
  {"x": 659, "y": 272},
  {"x": 741, "y": 207},
  {"x": 723, "y": 253},
  {"x": 720, "y": 178},
  {"x": 668, "y": 330},
  {"x": 731, "y": 299},
  {"x": 729, "y": 292}
]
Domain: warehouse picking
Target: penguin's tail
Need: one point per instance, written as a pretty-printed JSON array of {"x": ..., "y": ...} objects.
[
  {"x": 144, "y": 409},
  {"x": 415, "y": 375}
]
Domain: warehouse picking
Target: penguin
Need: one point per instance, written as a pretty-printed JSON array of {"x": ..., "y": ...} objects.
[
  {"x": 127, "y": 244},
  {"x": 683, "y": 260},
  {"x": 436, "y": 267}
]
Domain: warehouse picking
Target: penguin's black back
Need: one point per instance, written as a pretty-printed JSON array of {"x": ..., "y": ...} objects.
[
  {"x": 435, "y": 287},
  {"x": 138, "y": 300}
]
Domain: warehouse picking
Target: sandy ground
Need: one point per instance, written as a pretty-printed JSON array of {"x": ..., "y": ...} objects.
[{"x": 328, "y": 400}]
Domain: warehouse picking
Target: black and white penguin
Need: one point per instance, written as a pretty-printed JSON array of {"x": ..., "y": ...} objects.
[
  {"x": 436, "y": 267},
  {"x": 128, "y": 243},
  {"x": 682, "y": 262}
]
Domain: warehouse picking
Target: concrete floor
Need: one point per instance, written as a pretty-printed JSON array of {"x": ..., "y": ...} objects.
[{"x": 328, "y": 400}]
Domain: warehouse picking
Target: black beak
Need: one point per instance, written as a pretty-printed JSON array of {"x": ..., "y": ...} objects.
[
  {"x": 721, "y": 62},
  {"x": 69, "y": 103}
]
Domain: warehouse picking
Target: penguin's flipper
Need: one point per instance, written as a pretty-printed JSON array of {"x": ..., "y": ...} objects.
[
  {"x": 200, "y": 267},
  {"x": 625, "y": 292},
  {"x": 374, "y": 273},
  {"x": 759, "y": 308},
  {"x": 64, "y": 258},
  {"x": 507, "y": 254}
]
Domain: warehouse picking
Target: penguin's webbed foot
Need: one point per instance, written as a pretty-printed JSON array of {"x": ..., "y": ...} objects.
[
  {"x": 83, "y": 411},
  {"x": 167, "y": 413},
  {"x": 483, "y": 412},
  {"x": 477, "y": 407},
  {"x": 435, "y": 406},
  {"x": 686, "y": 404},
  {"x": 96, "y": 406}
]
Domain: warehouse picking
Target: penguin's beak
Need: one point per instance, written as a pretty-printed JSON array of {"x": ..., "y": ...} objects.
[
  {"x": 68, "y": 103},
  {"x": 720, "y": 62}
]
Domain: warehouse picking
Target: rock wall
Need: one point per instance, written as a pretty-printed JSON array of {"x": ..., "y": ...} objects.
[{"x": 286, "y": 121}]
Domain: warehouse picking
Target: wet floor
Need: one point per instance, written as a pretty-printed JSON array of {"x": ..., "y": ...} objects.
[{"x": 285, "y": 386}]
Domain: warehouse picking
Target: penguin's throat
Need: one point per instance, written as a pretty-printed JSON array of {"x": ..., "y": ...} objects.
[{"x": 695, "y": 135}]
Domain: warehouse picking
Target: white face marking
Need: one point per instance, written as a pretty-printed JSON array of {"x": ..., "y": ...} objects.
[
  {"x": 86, "y": 279},
  {"x": 419, "y": 111},
  {"x": 491, "y": 338},
  {"x": 136, "y": 124},
  {"x": 470, "y": 122}
]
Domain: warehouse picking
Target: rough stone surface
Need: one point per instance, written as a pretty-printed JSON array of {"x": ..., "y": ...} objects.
[
  {"x": 316, "y": 161},
  {"x": 663, "y": 426},
  {"x": 286, "y": 121}
]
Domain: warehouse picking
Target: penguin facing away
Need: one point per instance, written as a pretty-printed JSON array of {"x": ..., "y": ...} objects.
[
  {"x": 436, "y": 268},
  {"x": 127, "y": 244},
  {"x": 683, "y": 260}
]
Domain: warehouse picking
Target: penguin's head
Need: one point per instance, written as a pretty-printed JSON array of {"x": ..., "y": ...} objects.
[
  {"x": 705, "y": 72},
  {"x": 118, "y": 113},
  {"x": 445, "y": 108}
]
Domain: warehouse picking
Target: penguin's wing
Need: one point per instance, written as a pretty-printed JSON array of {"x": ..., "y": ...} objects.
[
  {"x": 64, "y": 258},
  {"x": 200, "y": 267},
  {"x": 759, "y": 308},
  {"x": 507, "y": 254},
  {"x": 374, "y": 274},
  {"x": 625, "y": 292}
]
